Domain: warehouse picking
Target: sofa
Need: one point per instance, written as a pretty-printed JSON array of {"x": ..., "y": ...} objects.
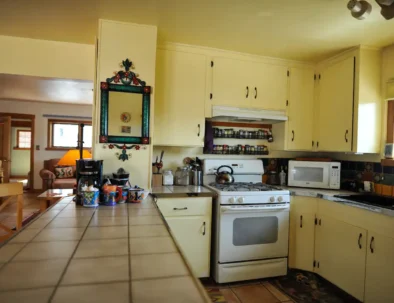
[{"x": 51, "y": 178}]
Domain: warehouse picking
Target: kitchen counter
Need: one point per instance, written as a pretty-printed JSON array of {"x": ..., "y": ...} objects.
[
  {"x": 328, "y": 194},
  {"x": 117, "y": 254},
  {"x": 179, "y": 191}
]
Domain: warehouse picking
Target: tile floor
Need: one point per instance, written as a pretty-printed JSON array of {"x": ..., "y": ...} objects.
[
  {"x": 74, "y": 254},
  {"x": 249, "y": 292}
]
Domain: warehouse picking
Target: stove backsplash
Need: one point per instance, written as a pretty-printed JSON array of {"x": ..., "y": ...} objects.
[{"x": 351, "y": 171}]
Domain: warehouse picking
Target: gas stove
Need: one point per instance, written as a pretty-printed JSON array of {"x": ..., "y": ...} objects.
[{"x": 243, "y": 186}]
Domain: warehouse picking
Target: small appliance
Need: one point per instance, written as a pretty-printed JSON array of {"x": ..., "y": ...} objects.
[
  {"x": 250, "y": 223},
  {"x": 89, "y": 172},
  {"x": 314, "y": 174}
]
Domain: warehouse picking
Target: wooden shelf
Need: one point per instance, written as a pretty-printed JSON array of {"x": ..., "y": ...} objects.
[
  {"x": 236, "y": 154},
  {"x": 237, "y": 138}
]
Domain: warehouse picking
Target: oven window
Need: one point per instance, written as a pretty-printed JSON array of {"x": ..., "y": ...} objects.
[
  {"x": 310, "y": 174},
  {"x": 255, "y": 230}
]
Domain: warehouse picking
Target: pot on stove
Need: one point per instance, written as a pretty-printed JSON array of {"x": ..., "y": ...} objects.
[{"x": 224, "y": 177}]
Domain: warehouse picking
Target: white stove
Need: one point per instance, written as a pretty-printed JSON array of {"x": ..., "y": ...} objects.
[{"x": 251, "y": 223}]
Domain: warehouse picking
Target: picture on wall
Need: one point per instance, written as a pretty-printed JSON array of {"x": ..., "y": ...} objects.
[{"x": 126, "y": 129}]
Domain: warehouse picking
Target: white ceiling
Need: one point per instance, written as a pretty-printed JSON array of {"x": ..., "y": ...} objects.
[
  {"x": 28, "y": 88},
  {"x": 295, "y": 29}
]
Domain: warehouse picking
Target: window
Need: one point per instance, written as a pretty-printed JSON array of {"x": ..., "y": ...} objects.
[
  {"x": 23, "y": 139},
  {"x": 64, "y": 134}
]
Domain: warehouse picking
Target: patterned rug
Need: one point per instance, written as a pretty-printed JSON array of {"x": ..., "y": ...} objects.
[
  {"x": 306, "y": 287},
  {"x": 10, "y": 221},
  {"x": 215, "y": 295}
]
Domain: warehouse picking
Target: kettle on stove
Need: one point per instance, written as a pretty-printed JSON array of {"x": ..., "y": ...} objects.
[{"x": 224, "y": 177}]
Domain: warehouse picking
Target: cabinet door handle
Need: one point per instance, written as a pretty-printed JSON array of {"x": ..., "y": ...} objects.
[
  {"x": 247, "y": 91},
  {"x": 371, "y": 245},
  {"x": 301, "y": 221},
  {"x": 317, "y": 143},
  {"x": 204, "y": 228},
  {"x": 359, "y": 240},
  {"x": 292, "y": 139},
  {"x": 313, "y": 143},
  {"x": 255, "y": 92},
  {"x": 184, "y": 208},
  {"x": 346, "y": 135},
  {"x": 199, "y": 130}
]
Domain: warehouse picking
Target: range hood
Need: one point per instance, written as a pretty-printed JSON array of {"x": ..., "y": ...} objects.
[{"x": 247, "y": 115}]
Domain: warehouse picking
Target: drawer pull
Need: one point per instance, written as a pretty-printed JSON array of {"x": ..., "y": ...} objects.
[
  {"x": 301, "y": 221},
  {"x": 371, "y": 245},
  {"x": 203, "y": 233},
  {"x": 184, "y": 208},
  {"x": 359, "y": 240}
]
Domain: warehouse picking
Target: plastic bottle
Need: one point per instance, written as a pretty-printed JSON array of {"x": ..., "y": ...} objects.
[{"x": 282, "y": 176}]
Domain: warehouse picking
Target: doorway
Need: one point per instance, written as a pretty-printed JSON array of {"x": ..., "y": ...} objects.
[{"x": 17, "y": 148}]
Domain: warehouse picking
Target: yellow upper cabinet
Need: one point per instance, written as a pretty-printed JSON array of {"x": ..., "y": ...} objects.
[
  {"x": 230, "y": 82},
  {"x": 300, "y": 109},
  {"x": 269, "y": 86},
  {"x": 179, "y": 98},
  {"x": 248, "y": 84},
  {"x": 336, "y": 106},
  {"x": 349, "y": 103}
]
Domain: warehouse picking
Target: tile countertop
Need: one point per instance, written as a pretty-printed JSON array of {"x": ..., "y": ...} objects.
[
  {"x": 328, "y": 194},
  {"x": 182, "y": 191},
  {"x": 109, "y": 254}
]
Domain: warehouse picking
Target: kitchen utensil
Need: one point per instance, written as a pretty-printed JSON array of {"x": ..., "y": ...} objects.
[{"x": 224, "y": 177}]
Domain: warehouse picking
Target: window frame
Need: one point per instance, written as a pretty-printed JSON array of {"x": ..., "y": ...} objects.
[
  {"x": 18, "y": 131},
  {"x": 51, "y": 122}
]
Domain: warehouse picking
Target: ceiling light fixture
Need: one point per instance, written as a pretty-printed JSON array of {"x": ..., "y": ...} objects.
[{"x": 360, "y": 9}]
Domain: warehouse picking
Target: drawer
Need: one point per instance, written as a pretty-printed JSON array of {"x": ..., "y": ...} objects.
[{"x": 195, "y": 206}]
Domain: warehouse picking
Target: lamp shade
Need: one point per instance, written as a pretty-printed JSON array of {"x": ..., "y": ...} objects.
[{"x": 72, "y": 156}]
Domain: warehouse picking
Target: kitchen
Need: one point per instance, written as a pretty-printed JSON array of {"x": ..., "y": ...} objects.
[{"x": 295, "y": 105}]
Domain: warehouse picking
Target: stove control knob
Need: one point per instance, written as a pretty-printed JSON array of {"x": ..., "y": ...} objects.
[
  {"x": 241, "y": 200},
  {"x": 272, "y": 199},
  {"x": 231, "y": 200},
  {"x": 280, "y": 199}
]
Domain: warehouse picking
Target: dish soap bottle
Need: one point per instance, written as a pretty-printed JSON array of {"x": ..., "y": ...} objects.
[{"x": 282, "y": 177}]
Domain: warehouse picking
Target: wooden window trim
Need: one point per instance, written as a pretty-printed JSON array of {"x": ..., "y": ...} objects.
[
  {"x": 63, "y": 121},
  {"x": 18, "y": 131}
]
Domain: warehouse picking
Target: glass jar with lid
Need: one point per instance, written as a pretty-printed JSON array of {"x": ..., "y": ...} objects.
[{"x": 168, "y": 177}]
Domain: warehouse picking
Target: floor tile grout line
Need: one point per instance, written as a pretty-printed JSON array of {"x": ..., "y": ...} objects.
[
  {"x": 69, "y": 261},
  {"x": 129, "y": 250},
  {"x": 161, "y": 278},
  {"x": 28, "y": 242},
  {"x": 239, "y": 299}
]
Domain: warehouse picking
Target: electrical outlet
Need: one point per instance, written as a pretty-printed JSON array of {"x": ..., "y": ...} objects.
[{"x": 37, "y": 147}]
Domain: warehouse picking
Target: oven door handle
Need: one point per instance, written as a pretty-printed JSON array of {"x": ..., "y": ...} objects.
[{"x": 251, "y": 209}]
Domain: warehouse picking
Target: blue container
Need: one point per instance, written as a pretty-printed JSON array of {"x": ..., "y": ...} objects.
[
  {"x": 111, "y": 201},
  {"x": 90, "y": 198}
]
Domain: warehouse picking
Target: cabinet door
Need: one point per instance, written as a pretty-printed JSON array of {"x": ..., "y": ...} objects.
[
  {"x": 379, "y": 285},
  {"x": 302, "y": 232},
  {"x": 179, "y": 99},
  {"x": 300, "y": 109},
  {"x": 341, "y": 254},
  {"x": 193, "y": 234},
  {"x": 335, "y": 121},
  {"x": 230, "y": 82},
  {"x": 269, "y": 89}
]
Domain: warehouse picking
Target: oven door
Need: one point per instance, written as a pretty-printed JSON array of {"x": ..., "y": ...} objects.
[{"x": 250, "y": 232}]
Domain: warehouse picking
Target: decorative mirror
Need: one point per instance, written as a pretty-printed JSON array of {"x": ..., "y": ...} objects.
[{"x": 125, "y": 108}]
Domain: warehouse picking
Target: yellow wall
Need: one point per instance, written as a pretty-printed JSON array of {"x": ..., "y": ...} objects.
[
  {"x": 42, "y": 58},
  {"x": 20, "y": 159},
  {"x": 118, "y": 41}
]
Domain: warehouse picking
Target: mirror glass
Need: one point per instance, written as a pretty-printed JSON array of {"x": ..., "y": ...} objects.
[{"x": 125, "y": 114}]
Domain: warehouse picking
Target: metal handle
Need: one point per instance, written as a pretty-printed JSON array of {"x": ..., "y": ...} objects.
[
  {"x": 317, "y": 144},
  {"x": 203, "y": 232},
  {"x": 346, "y": 135},
  {"x": 292, "y": 139},
  {"x": 247, "y": 91},
  {"x": 359, "y": 240},
  {"x": 301, "y": 221},
  {"x": 184, "y": 208},
  {"x": 370, "y": 245},
  {"x": 251, "y": 209},
  {"x": 199, "y": 130},
  {"x": 255, "y": 92},
  {"x": 313, "y": 143}
]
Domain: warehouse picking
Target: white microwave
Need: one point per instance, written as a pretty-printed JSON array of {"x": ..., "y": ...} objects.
[{"x": 314, "y": 174}]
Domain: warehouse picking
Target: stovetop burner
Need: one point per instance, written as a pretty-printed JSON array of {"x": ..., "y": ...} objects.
[{"x": 244, "y": 186}]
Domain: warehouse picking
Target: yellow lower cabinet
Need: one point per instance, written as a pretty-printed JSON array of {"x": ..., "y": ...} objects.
[
  {"x": 340, "y": 255},
  {"x": 379, "y": 284},
  {"x": 193, "y": 235}
]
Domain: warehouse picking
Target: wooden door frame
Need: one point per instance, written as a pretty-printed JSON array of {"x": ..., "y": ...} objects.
[{"x": 32, "y": 118}]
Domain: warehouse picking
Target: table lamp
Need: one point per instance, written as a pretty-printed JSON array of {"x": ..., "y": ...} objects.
[{"x": 70, "y": 158}]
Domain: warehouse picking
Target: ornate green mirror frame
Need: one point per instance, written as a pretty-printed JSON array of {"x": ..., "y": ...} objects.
[{"x": 126, "y": 77}]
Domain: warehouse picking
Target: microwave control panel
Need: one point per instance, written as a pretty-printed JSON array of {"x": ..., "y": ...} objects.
[{"x": 335, "y": 175}]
